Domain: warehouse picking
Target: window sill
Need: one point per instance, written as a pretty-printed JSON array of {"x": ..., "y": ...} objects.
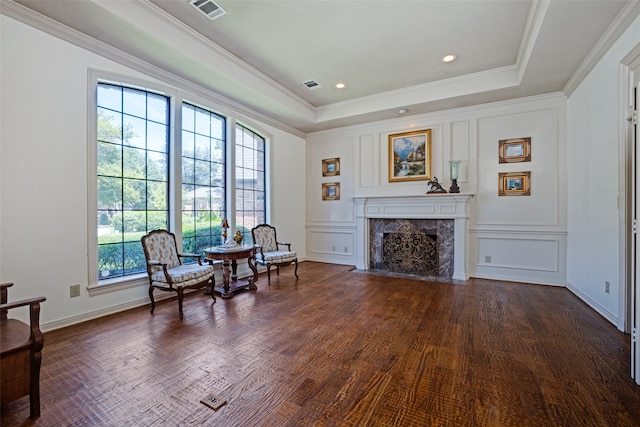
[{"x": 118, "y": 284}]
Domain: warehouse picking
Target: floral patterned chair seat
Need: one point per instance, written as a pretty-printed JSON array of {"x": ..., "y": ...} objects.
[
  {"x": 166, "y": 271},
  {"x": 269, "y": 250}
]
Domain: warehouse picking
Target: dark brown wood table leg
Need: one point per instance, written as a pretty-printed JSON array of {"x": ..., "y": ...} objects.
[
  {"x": 234, "y": 270},
  {"x": 252, "y": 266},
  {"x": 225, "y": 279}
]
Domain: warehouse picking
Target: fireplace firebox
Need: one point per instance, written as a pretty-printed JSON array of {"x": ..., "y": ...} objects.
[{"x": 422, "y": 247}]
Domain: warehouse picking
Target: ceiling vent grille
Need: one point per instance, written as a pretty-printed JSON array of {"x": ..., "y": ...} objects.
[
  {"x": 311, "y": 84},
  {"x": 210, "y": 9}
]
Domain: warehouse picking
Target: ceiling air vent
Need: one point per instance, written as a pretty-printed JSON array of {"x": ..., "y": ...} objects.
[
  {"x": 311, "y": 84},
  {"x": 209, "y": 8}
]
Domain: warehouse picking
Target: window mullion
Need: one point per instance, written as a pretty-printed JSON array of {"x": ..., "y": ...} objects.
[
  {"x": 231, "y": 173},
  {"x": 175, "y": 179}
]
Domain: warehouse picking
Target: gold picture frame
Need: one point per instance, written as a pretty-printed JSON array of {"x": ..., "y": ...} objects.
[
  {"x": 331, "y": 167},
  {"x": 410, "y": 156},
  {"x": 514, "y": 183},
  {"x": 331, "y": 191},
  {"x": 514, "y": 150}
]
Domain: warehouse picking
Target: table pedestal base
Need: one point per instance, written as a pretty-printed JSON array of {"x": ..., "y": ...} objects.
[
  {"x": 230, "y": 284},
  {"x": 227, "y": 291}
]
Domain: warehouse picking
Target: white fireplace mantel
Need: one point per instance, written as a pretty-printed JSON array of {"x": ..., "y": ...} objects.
[{"x": 430, "y": 206}]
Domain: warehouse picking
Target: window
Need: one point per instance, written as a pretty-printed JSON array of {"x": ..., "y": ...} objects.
[
  {"x": 145, "y": 180},
  {"x": 203, "y": 178},
  {"x": 250, "y": 181},
  {"x": 132, "y": 175}
]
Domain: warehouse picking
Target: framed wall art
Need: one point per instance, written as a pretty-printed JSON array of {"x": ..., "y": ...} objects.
[
  {"x": 514, "y": 183},
  {"x": 514, "y": 150},
  {"x": 331, "y": 191},
  {"x": 331, "y": 167},
  {"x": 410, "y": 156}
]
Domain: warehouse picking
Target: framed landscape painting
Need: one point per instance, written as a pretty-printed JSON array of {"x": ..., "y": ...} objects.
[
  {"x": 331, "y": 191},
  {"x": 331, "y": 167},
  {"x": 410, "y": 156},
  {"x": 514, "y": 150},
  {"x": 514, "y": 183}
]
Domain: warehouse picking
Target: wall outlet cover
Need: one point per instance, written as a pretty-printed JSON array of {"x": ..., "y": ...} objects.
[{"x": 74, "y": 291}]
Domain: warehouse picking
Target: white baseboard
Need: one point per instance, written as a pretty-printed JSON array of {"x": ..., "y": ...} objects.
[
  {"x": 593, "y": 304},
  {"x": 68, "y": 321}
]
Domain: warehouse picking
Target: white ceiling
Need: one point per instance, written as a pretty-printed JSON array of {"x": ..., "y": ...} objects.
[{"x": 386, "y": 52}]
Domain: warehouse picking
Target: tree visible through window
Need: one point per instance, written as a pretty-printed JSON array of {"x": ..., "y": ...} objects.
[
  {"x": 133, "y": 179},
  {"x": 132, "y": 175},
  {"x": 203, "y": 178},
  {"x": 250, "y": 181}
]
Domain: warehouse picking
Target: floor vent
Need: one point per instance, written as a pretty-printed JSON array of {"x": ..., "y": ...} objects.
[
  {"x": 311, "y": 84},
  {"x": 210, "y": 9}
]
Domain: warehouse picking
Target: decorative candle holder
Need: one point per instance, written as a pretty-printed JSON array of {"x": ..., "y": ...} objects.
[
  {"x": 454, "y": 170},
  {"x": 225, "y": 226}
]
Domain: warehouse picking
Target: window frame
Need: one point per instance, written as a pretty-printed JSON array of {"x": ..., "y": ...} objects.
[
  {"x": 225, "y": 163},
  {"x": 144, "y": 176},
  {"x": 247, "y": 128},
  {"x": 176, "y": 98}
]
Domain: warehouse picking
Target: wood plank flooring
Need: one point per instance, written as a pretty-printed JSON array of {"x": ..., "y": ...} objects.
[{"x": 342, "y": 348}]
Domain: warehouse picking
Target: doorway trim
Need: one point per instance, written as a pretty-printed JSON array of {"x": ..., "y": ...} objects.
[{"x": 628, "y": 202}]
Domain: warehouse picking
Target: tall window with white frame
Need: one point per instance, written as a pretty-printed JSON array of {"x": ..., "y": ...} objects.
[
  {"x": 203, "y": 178},
  {"x": 132, "y": 175},
  {"x": 250, "y": 169}
]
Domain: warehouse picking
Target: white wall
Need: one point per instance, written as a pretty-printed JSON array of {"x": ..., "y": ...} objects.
[
  {"x": 524, "y": 236},
  {"x": 43, "y": 175},
  {"x": 593, "y": 167}
]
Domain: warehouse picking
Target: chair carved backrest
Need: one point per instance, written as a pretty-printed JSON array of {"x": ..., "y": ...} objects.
[
  {"x": 160, "y": 245},
  {"x": 265, "y": 236}
]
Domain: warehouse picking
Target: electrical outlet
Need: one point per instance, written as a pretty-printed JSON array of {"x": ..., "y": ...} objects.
[
  {"x": 333, "y": 248},
  {"x": 606, "y": 287},
  {"x": 74, "y": 291},
  {"x": 487, "y": 259},
  {"x": 346, "y": 250}
]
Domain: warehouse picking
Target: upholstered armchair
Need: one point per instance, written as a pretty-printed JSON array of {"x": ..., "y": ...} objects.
[
  {"x": 166, "y": 270},
  {"x": 20, "y": 351},
  {"x": 269, "y": 251}
]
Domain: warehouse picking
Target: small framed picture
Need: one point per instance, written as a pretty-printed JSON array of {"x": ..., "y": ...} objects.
[
  {"x": 331, "y": 191},
  {"x": 514, "y": 150},
  {"x": 331, "y": 167},
  {"x": 514, "y": 183}
]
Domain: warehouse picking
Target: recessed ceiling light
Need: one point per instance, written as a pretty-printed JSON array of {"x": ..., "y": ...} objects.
[
  {"x": 340, "y": 85},
  {"x": 449, "y": 57},
  {"x": 403, "y": 110}
]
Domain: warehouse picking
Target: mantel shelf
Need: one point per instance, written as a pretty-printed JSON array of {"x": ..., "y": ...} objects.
[{"x": 426, "y": 196}]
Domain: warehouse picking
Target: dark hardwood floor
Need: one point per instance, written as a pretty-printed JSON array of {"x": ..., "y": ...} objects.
[{"x": 342, "y": 348}]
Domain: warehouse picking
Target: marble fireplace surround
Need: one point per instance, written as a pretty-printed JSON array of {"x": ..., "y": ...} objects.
[{"x": 431, "y": 206}]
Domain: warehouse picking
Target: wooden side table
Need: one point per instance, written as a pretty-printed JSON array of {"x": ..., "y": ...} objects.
[{"x": 229, "y": 257}]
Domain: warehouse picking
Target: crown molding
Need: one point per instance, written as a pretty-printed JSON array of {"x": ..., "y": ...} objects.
[
  {"x": 146, "y": 15},
  {"x": 628, "y": 14},
  {"x": 535, "y": 20},
  {"x": 56, "y": 29},
  {"x": 483, "y": 81},
  {"x": 526, "y": 103}
]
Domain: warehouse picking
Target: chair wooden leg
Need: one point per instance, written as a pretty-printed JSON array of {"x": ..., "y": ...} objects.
[
  {"x": 213, "y": 285},
  {"x": 296, "y": 270},
  {"x": 34, "y": 395},
  {"x": 153, "y": 301},
  {"x": 180, "y": 297},
  {"x": 269, "y": 274}
]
